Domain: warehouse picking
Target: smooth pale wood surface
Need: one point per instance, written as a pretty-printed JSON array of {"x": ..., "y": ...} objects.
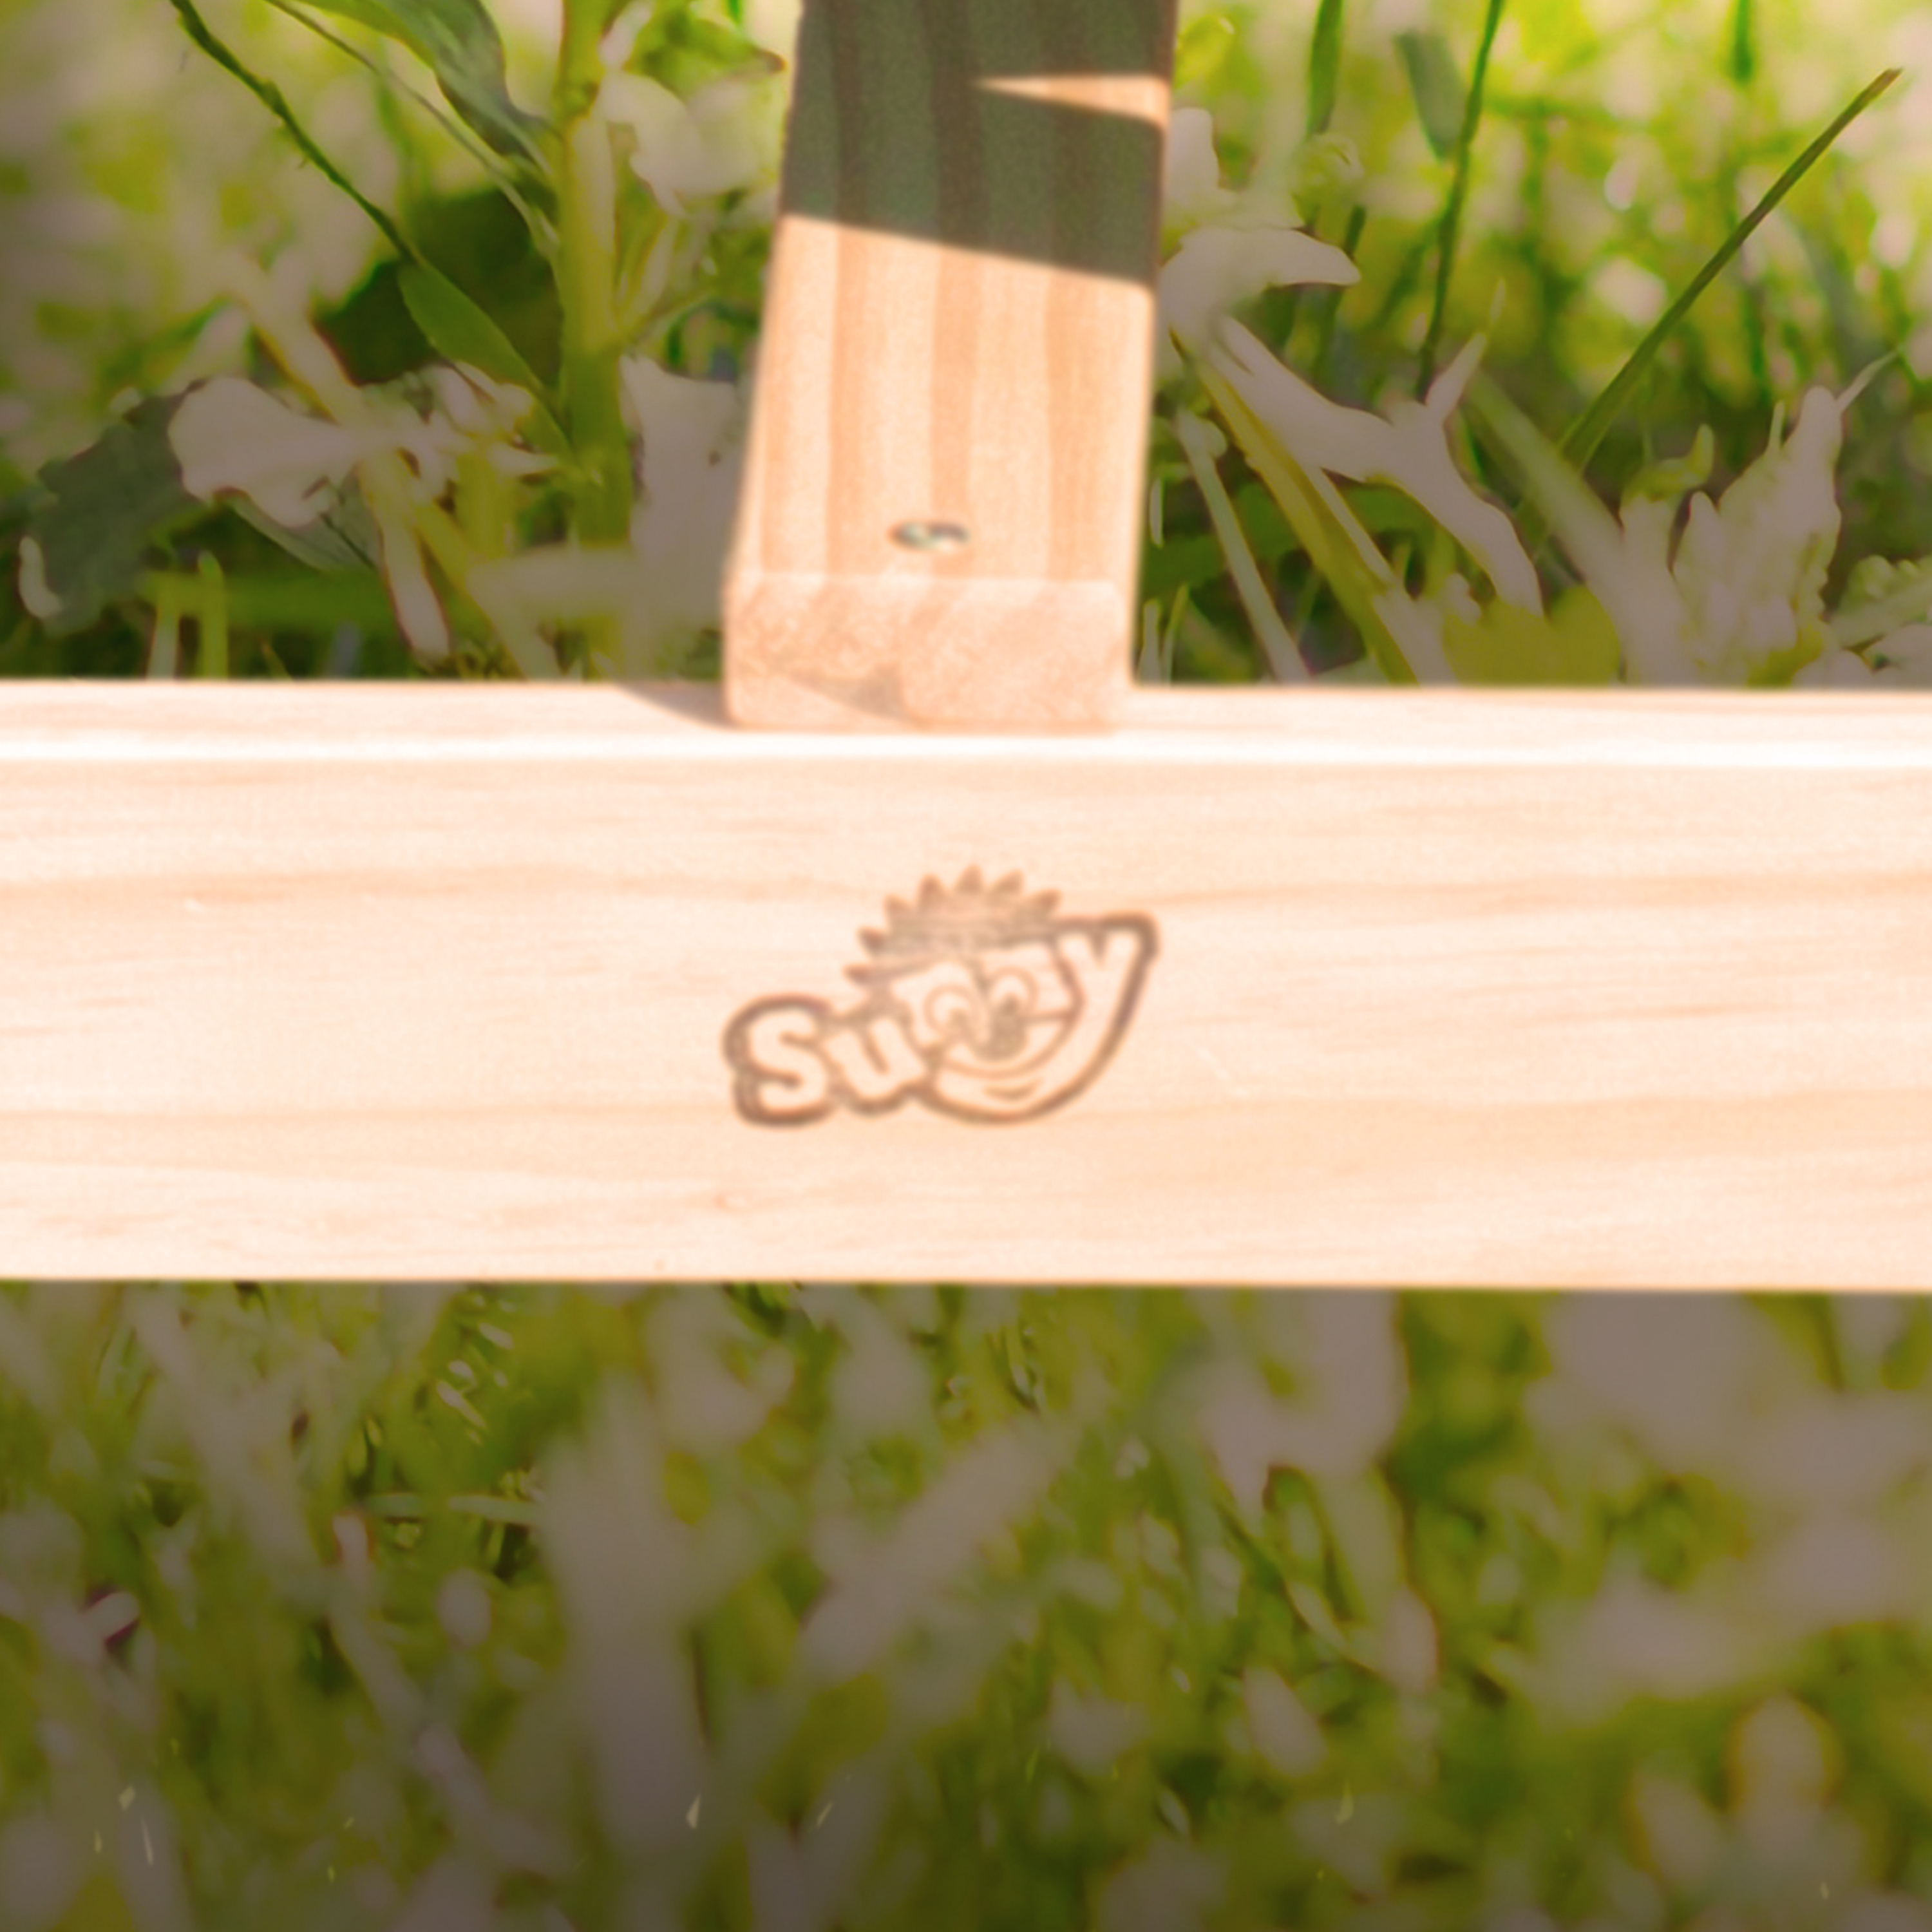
[
  {"x": 1454, "y": 988},
  {"x": 959, "y": 327}
]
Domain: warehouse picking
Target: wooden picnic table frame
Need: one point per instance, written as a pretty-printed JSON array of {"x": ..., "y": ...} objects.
[{"x": 928, "y": 947}]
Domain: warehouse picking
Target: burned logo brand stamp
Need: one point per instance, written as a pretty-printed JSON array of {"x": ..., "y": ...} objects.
[{"x": 980, "y": 1002}]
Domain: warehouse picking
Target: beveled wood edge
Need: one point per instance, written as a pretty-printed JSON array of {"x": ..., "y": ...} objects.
[{"x": 90, "y": 720}]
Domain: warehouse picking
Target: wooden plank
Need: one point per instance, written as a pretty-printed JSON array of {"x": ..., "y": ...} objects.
[
  {"x": 428, "y": 981},
  {"x": 958, "y": 340}
]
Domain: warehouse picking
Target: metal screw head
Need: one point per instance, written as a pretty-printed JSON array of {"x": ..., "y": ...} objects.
[{"x": 936, "y": 537}]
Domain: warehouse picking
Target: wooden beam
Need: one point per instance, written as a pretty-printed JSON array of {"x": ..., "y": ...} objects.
[{"x": 1447, "y": 987}]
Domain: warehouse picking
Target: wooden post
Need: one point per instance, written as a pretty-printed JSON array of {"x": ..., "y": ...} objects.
[{"x": 940, "y": 526}]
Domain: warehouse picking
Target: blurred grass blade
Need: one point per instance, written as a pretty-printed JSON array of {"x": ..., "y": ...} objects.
[
  {"x": 458, "y": 41},
  {"x": 1160, "y": 636},
  {"x": 1366, "y": 587},
  {"x": 210, "y": 651},
  {"x": 1741, "y": 53},
  {"x": 1324, "y": 65},
  {"x": 1458, "y": 195},
  {"x": 1147, "y": 660},
  {"x": 272, "y": 98},
  {"x": 462, "y": 330},
  {"x": 1552, "y": 486},
  {"x": 164, "y": 648},
  {"x": 1636, "y": 588},
  {"x": 1278, "y": 645},
  {"x": 1580, "y": 445},
  {"x": 1436, "y": 85},
  {"x": 502, "y": 172},
  {"x": 300, "y": 601}
]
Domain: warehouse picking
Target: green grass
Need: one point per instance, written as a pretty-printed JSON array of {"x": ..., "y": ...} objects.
[{"x": 699, "y": 1606}]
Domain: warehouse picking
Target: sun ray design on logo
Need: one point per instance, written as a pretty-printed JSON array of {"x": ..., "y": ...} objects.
[{"x": 981, "y": 1002}]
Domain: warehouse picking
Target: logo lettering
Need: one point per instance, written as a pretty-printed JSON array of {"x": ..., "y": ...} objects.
[{"x": 979, "y": 1003}]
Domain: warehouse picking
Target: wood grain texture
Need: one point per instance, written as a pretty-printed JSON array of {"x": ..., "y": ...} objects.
[
  {"x": 958, "y": 328},
  {"x": 1452, "y": 988}
]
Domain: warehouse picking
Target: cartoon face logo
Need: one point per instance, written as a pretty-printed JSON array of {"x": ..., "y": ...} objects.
[{"x": 979, "y": 1002}]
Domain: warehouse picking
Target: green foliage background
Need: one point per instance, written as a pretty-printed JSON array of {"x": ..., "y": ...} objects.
[
  {"x": 530, "y": 1607},
  {"x": 449, "y": 1609}
]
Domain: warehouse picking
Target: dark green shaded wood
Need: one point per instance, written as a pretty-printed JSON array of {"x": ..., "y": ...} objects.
[{"x": 895, "y": 127}]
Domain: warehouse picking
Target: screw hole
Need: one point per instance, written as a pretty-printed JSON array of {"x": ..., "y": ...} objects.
[{"x": 933, "y": 537}]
